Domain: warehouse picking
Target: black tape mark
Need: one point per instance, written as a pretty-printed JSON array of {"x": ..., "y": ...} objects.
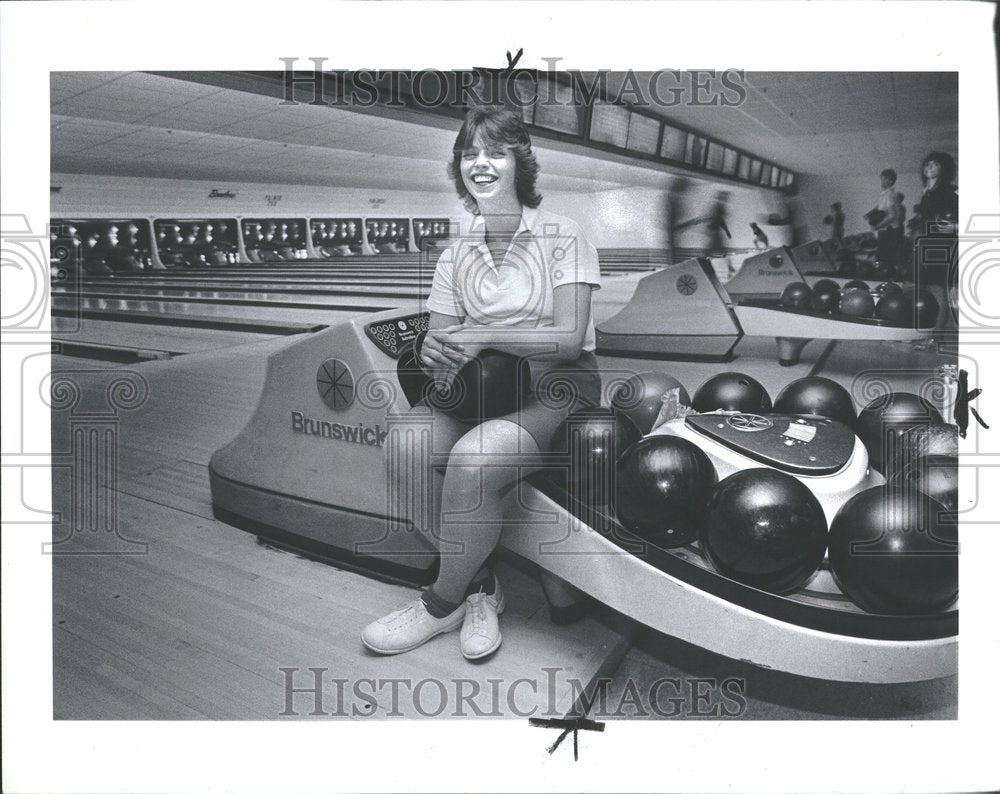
[
  {"x": 512, "y": 62},
  {"x": 962, "y": 407},
  {"x": 567, "y": 726}
]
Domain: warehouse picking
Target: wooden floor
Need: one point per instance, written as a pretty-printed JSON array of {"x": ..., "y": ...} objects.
[{"x": 180, "y": 616}]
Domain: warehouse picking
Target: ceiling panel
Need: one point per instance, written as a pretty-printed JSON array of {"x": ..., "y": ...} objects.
[{"x": 139, "y": 124}]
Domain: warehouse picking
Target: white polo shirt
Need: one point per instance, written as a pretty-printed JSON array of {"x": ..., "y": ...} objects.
[{"x": 547, "y": 251}]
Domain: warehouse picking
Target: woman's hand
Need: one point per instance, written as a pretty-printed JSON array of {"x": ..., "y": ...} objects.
[
  {"x": 444, "y": 355},
  {"x": 440, "y": 352}
]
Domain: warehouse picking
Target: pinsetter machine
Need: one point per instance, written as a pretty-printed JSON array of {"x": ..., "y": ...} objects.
[{"x": 308, "y": 471}]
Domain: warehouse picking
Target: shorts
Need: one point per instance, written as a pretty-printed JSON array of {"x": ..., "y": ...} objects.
[{"x": 557, "y": 389}]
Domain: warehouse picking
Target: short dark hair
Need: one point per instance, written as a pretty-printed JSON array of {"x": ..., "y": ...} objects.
[
  {"x": 498, "y": 126},
  {"x": 889, "y": 173},
  {"x": 946, "y": 163}
]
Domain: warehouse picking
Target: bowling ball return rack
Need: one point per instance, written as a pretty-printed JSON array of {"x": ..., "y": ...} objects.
[
  {"x": 684, "y": 312},
  {"x": 307, "y": 472}
]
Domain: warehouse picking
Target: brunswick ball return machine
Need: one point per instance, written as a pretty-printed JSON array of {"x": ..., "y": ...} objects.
[
  {"x": 308, "y": 471},
  {"x": 684, "y": 312}
]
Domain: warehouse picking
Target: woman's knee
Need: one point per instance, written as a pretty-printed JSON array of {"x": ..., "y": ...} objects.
[
  {"x": 420, "y": 437},
  {"x": 493, "y": 452}
]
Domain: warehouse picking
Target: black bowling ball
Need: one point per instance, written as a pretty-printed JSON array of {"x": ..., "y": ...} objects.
[
  {"x": 925, "y": 308},
  {"x": 857, "y": 303},
  {"x": 934, "y": 475},
  {"x": 413, "y": 379},
  {"x": 924, "y": 439},
  {"x": 664, "y": 484},
  {"x": 732, "y": 391},
  {"x": 585, "y": 449},
  {"x": 895, "y": 309},
  {"x": 765, "y": 529},
  {"x": 856, "y": 284},
  {"x": 825, "y": 283},
  {"x": 888, "y": 288},
  {"x": 883, "y": 423},
  {"x": 492, "y": 384},
  {"x": 641, "y": 397},
  {"x": 797, "y": 295},
  {"x": 816, "y": 396},
  {"x": 825, "y": 296},
  {"x": 892, "y": 554}
]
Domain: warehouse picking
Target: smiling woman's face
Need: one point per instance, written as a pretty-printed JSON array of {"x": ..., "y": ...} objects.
[{"x": 488, "y": 171}]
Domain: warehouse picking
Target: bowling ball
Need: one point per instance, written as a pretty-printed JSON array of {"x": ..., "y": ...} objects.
[
  {"x": 925, "y": 439},
  {"x": 895, "y": 310},
  {"x": 934, "y": 475},
  {"x": 413, "y": 379},
  {"x": 641, "y": 397},
  {"x": 856, "y": 284},
  {"x": 857, "y": 303},
  {"x": 765, "y": 529},
  {"x": 925, "y": 308},
  {"x": 891, "y": 553},
  {"x": 816, "y": 396},
  {"x": 584, "y": 451},
  {"x": 883, "y": 423},
  {"x": 825, "y": 296},
  {"x": 797, "y": 295},
  {"x": 490, "y": 385},
  {"x": 663, "y": 487},
  {"x": 732, "y": 391},
  {"x": 888, "y": 288}
]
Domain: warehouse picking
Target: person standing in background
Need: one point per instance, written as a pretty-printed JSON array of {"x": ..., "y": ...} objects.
[
  {"x": 901, "y": 213},
  {"x": 886, "y": 221},
  {"x": 935, "y": 224},
  {"x": 716, "y": 221},
  {"x": 838, "y": 222},
  {"x": 677, "y": 200}
]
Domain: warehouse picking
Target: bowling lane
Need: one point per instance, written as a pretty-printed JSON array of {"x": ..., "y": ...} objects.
[
  {"x": 261, "y": 291},
  {"x": 152, "y": 340},
  {"x": 278, "y": 280},
  {"x": 272, "y": 307},
  {"x": 196, "y": 277},
  {"x": 277, "y": 302}
]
